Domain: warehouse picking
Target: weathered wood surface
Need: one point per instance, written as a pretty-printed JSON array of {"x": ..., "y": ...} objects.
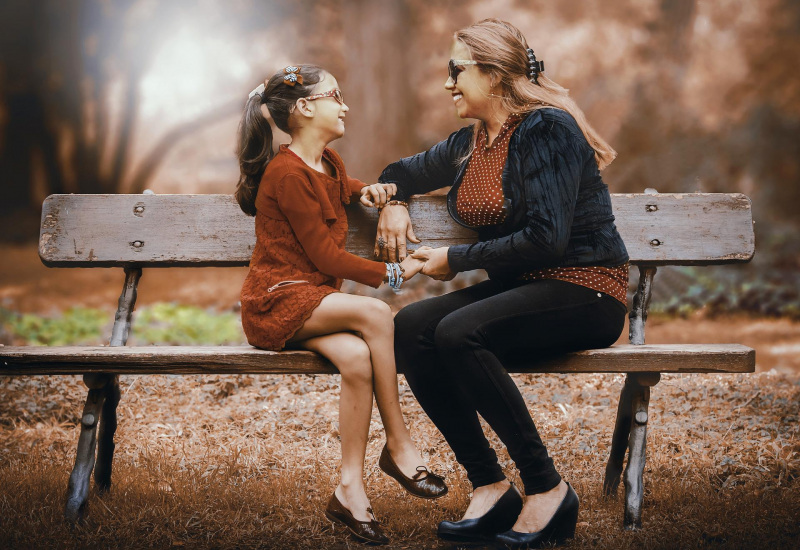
[
  {"x": 248, "y": 360},
  {"x": 209, "y": 230}
]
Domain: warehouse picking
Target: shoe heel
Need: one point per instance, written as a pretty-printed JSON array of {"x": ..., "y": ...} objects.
[{"x": 566, "y": 526}]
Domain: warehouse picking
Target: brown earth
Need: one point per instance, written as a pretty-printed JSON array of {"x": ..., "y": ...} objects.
[{"x": 250, "y": 461}]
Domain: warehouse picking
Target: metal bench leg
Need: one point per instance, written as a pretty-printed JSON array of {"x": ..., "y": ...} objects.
[
  {"x": 105, "y": 444},
  {"x": 630, "y": 428},
  {"x": 101, "y": 407},
  {"x": 637, "y": 447},
  {"x": 619, "y": 441},
  {"x": 79, "y": 479}
]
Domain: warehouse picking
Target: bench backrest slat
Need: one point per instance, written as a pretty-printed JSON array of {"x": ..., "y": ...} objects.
[{"x": 211, "y": 230}]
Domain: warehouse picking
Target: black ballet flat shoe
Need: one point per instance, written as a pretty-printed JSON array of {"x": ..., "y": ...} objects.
[
  {"x": 365, "y": 531},
  {"x": 499, "y": 518},
  {"x": 424, "y": 484},
  {"x": 560, "y": 527}
]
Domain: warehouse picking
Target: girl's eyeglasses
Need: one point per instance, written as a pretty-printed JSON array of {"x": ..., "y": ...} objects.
[
  {"x": 455, "y": 67},
  {"x": 335, "y": 94}
]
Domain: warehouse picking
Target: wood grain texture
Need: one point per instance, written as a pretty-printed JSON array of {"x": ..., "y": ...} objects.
[
  {"x": 211, "y": 230},
  {"x": 29, "y": 360}
]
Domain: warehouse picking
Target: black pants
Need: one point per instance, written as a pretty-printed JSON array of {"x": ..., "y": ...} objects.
[{"x": 452, "y": 349}]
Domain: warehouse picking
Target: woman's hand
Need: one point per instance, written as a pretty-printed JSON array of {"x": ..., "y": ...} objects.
[
  {"x": 394, "y": 226},
  {"x": 377, "y": 194},
  {"x": 436, "y": 264}
]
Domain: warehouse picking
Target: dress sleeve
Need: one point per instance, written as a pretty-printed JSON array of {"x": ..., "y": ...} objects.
[
  {"x": 355, "y": 186},
  {"x": 432, "y": 169},
  {"x": 550, "y": 167},
  {"x": 298, "y": 203}
]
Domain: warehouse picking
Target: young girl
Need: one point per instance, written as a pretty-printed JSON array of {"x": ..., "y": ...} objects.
[{"x": 291, "y": 296}]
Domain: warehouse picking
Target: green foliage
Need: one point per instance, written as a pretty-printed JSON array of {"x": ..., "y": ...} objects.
[
  {"x": 75, "y": 326},
  {"x": 776, "y": 294},
  {"x": 175, "y": 324},
  {"x": 161, "y": 323}
]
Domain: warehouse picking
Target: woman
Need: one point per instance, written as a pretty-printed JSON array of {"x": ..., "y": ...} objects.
[{"x": 526, "y": 178}]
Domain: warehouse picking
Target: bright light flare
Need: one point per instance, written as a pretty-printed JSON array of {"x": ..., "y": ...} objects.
[{"x": 192, "y": 73}]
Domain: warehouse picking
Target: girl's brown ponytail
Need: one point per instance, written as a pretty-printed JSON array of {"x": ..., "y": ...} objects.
[
  {"x": 255, "y": 148},
  {"x": 254, "y": 151}
]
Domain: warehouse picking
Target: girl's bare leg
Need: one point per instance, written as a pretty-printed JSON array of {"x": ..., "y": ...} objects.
[
  {"x": 371, "y": 318},
  {"x": 351, "y": 356}
]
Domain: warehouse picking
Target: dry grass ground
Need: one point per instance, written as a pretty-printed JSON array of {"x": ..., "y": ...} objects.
[
  {"x": 225, "y": 462},
  {"x": 231, "y": 462}
]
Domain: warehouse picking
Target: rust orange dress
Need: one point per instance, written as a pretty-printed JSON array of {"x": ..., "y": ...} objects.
[{"x": 299, "y": 256}]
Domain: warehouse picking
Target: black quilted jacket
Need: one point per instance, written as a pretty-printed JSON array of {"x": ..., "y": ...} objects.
[{"x": 558, "y": 210}]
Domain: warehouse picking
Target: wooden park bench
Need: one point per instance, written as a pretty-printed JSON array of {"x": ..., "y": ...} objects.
[{"x": 138, "y": 231}]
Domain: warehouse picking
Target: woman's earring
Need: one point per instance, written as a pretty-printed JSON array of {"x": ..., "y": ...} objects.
[{"x": 491, "y": 87}]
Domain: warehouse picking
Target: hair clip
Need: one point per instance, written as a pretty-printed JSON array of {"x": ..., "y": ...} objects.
[
  {"x": 259, "y": 90},
  {"x": 534, "y": 67},
  {"x": 292, "y": 76}
]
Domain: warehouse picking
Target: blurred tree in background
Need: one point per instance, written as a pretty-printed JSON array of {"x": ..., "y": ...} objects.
[
  {"x": 119, "y": 95},
  {"x": 72, "y": 74}
]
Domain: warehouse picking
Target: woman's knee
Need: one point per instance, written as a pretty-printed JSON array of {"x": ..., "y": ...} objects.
[
  {"x": 453, "y": 334},
  {"x": 413, "y": 320}
]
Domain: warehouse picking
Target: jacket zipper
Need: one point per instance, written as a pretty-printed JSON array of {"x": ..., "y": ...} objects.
[{"x": 283, "y": 284}]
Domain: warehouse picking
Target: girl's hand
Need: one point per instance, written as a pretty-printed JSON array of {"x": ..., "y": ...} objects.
[
  {"x": 436, "y": 265},
  {"x": 394, "y": 227},
  {"x": 412, "y": 266},
  {"x": 377, "y": 194}
]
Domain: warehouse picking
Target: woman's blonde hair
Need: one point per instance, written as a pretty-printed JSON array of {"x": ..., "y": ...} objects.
[{"x": 501, "y": 51}]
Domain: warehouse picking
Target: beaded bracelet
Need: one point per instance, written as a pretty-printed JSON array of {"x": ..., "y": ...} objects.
[
  {"x": 389, "y": 274},
  {"x": 393, "y": 203},
  {"x": 399, "y": 274},
  {"x": 394, "y": 273}
]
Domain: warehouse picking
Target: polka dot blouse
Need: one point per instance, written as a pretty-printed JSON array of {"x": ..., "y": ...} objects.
[
  {"x": 609, "y": 280},
  {"x": 480, "y": 196},
  {"x": 480, "y": 202}
]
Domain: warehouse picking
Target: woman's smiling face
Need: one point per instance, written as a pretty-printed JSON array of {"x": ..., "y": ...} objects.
[{"x": 472, "y": 87}]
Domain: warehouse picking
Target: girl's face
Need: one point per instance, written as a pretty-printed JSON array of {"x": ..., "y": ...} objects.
[
  {"x": 328, "y": 114},
  {"x": 472, "y": 87}
]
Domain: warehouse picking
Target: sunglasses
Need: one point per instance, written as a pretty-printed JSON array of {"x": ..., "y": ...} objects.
[
  {"x": 455, "y": 67},
  {"x": 335, "y": 94}
]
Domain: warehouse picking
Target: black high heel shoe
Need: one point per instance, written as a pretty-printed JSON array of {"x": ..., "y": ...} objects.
[
  {"x": 560, "y": 527},
  {"x": 499, "y": 518}
]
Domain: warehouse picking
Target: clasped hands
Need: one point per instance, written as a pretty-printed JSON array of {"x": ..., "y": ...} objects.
[{"x": 394, "y": 227}]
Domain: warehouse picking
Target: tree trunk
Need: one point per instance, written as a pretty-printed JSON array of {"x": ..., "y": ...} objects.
[{"x": 379, "y": 128}]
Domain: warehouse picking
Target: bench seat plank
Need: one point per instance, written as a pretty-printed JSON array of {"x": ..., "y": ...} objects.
[
  {"x": 28, "y": 360},
  {"x": 211, "y": 230}
]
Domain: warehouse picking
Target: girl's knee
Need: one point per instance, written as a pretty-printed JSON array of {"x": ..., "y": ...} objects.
[
  {"x": 378, "y": 309},
  {"x": 376, "y": 314},
  {"x": 355, "y": 361}
]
